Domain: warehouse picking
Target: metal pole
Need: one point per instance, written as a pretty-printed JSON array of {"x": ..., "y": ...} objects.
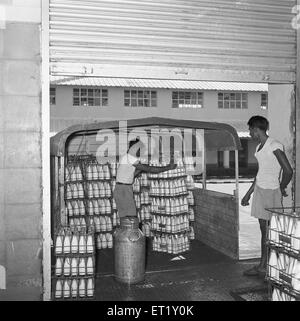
[
  {"x": 46, "y": 154},
  {"x": 236, "y": 154},
  {"x": 204, "y": 163}
]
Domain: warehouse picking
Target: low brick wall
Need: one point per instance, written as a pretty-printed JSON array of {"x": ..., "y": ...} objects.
[{"x": 217, "y": 221}]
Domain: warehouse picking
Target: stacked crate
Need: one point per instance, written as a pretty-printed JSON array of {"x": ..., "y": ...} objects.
[
  {"x": 142, "y": 202},
  {"x": 75, "y": 194},
  {"x": 99, "y": 201},
  {"x": 283, "y": 243},
  {"x": 74, "y": 272},
  {"x": 170, "y": 210},
  {"x": 89, "y": 201}
]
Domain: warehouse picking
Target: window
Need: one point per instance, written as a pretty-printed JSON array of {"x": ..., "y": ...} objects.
[
  {"x": 187, "y": 99},
  {"x": 140, "y": 98},
  {"x": 233, "y": 100},
  {"x": 264, "y": 101},
  {"x": 52, "y": 96},
  {"x": 90, "y": 97}
]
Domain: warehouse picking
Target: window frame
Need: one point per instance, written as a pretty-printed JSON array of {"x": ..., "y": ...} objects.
[
  {"x": 183, "y": 95},
  {"x": 90, "y": 95},
  {"x": 51, "y": 96},
  {"x": 231, "y": 99},
  {"x": 140, "y": 98},
  {"x": 264, "y": 106}
]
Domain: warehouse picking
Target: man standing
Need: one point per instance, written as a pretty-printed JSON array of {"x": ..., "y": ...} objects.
[
  {"x": 129, "y": 168},
  {"x": 268, "y": 187}
]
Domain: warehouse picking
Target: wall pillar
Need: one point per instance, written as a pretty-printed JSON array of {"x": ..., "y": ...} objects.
[
  {"x": 20, "y": 150},
  {"x": 297, "y": 123},
  {"x": 226, "y": 162},
  {"x": 281, "y": 115}
]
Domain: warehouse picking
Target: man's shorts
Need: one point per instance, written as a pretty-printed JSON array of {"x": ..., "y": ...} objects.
[
  {"x": 123, "y": 195},
  {"x": 265, "y": 198}
]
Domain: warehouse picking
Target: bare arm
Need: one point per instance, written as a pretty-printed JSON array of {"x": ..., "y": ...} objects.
[
  {"x": 287, "y": 171},
  {"x": 137, "y": 172},
  {"x": 154, "y": 169},
  {"x": 246, "y": 198}
]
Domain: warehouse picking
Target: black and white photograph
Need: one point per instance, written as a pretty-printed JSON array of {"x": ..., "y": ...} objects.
[{"x": 149, "y": 154}]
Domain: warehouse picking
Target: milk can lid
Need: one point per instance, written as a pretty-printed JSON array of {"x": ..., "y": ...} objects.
[{"x": 129, "y": 222}]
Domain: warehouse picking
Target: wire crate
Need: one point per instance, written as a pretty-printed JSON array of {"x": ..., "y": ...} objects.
[
  {"x": 284, "y": 230},
  {"x": 283, "y": 242},
  {"x": 73, "y": 288}
]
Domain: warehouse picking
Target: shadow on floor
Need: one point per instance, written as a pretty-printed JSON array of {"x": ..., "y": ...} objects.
[{"x": 156, "y": 261}]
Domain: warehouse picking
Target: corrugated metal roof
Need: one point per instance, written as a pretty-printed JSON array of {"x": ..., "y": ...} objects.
[{"x": 156, "y": 83}]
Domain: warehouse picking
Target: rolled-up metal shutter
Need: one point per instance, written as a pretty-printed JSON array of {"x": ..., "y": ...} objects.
[{"x": 246, "y": 40}]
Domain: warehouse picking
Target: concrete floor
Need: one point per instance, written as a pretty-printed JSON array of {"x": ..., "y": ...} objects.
[
  {"x": 210, "y": 279},
  {"x": 204, "y": 275},
  {"x": 206, "y": 282}
]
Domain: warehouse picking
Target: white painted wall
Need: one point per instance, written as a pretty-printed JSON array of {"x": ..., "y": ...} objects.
[
  {"x": 280, "y": 115},
  {"x": 63, "y": 110},
  {"x": 20, "y": 11}
]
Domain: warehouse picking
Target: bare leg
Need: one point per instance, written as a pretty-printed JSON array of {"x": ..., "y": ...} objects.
[
  {"x": 263, "y": 228},
  {"x": 261, "y": 268}
]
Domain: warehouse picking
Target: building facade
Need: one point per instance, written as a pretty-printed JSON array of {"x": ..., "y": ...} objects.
[{"x": 79, "y": 100}]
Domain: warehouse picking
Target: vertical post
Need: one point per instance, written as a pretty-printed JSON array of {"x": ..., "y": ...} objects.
[
  {"x": 46, "y": 153},
  {"x": 236, "y": 154},
  {"x": 204, "y": 162},
  {"x": 297, "y": 121}
]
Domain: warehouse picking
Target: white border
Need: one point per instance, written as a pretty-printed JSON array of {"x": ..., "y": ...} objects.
[{"x": 46, "y": 152}]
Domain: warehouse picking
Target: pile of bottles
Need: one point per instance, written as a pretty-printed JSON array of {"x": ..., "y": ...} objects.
[
  {"x": 278, "y": 295},
  {"x": 101, "y": 223},
  {"x": 75, "y": 288},
  {"x": 145, "y": 198},
  {"x": 191, "y": 214},
  {"x": 285, "y": 270},
  {"x": 144, "y": 182},
  {"x": 79, "y": 241},
  {"x": 169, "y": 206},
  {"x": 98, "y": 189},
  {"x": 170, "y": 224},
  {"x": 104, "y": 241},
  {"x": 74, "y": 190},
  {"x": 144, "y": 213},
  {"x": 75, "y": 263},
  {"x": 190, "y": 198},
  {"x": 284, "y": 231},
  {"x": 136, "y": 186},
  {"x": 76, "y": 223},
  {"x": 168, "y": 187},
  {"x": 75, "y": 208},
  {"x": 73, "y": 172},
  {"x": 190, "y": 184},
  {"x": 74, "y": 266},
  {"x": 95, "y": 171},
  {"x": 99, "y": 206},
  {"x": 172, "y": 244},
  {"x": 179, "y": 171},
  {"x": 137, "y": 200},
  {"x": 284, "y": 255}
]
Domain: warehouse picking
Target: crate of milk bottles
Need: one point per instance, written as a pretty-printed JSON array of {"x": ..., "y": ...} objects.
[
  {"x": 283, "y": 241},
  {"x": 74, "y": 271}
]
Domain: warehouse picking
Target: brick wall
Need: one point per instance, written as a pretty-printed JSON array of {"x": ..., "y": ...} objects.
[{"x": 216, "y": 221}]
